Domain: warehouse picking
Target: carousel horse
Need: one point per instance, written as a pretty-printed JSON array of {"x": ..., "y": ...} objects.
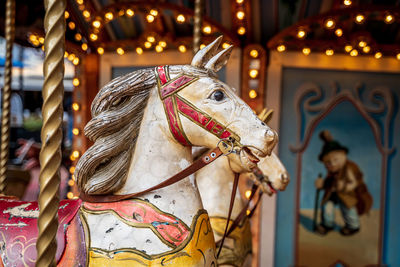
[{"x": 143, "y": 126}]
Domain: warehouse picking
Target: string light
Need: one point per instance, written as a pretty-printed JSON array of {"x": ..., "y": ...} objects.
[
  {"x": 354, "y": 53},
  {"x": 139, "y": 50},
  {"x": 281, "y": 48},
  {"x": 240, "y": 15},
  {"x": 147, "y": 44},
  {"x": 150, "y": 18},
  {"x": 306, "y": 51},
  {"x": 71, "y": 183},
  {"x": 180, "y": 18},
  {"x": 252, "y": 94},
  {"x": 75, "y": 154},
  {"x": 71, "y": 25},
  {"x": 75, "y": 82},
  {"x": 130, "y": 12},
  {"x": 120, "y": 51},
  {"x": 86, "y": 14},
  {"x": 75, "y": 106},
  {"x": 360, "y": 18},
  {"x": 80, "y": 2},
  {"x": 75, "y": 61},
  {"x": 225, "y": 45},
  {"x": 329, "y": 24},
  {"x": 71, "y": 57},
  {"x": 151, "y": 39},
  {"x": 301, "y": 34},
  {"x": 41, "y": 40},
  {"x": 389, "y": 19},
  {"x": 207, "y": 29},
  {"x": 121, "y": 13},
  {"x": 109, "y": 16},
  {"x": 182, "y": 48},
  {"x": 70, "y": 195},
  {"x": 96, "y": 24},
  {"x": 366, "y": 49},
  {"x": 84, "y": 46},
  {"x": 75, "y": 131},
  {"x": 339, "y": 32},
  {"x": 159, "y": 48},
  {"x": 202, "y": 46},
  {"x": 329, "y": 52},
  {"x": 247, "y": 194},
  {"x": 154, "y": 12},
  {"x": 253, "y": 73},
  {"x": 254, "y": 53},
  {"x": 66, "y": 14},
  {"x": 241, "y": 30},
  {"x": 93, "y": 36},
  {"x": 66, "y": 54},
  {"x": 100, "y": 50},
  {"x": 362, "y": 44},
  {"x": 78, "y": 37},
  {"x": 248, "y": 212},
  {"x": 347, "y": 2},
  {"x": 239, "y": 1},
  {"x": 378, "y": 55},
  {"x": 348, "y": 48},
  {"x": 72, "y": 169},
  {"x": 398, "y": 56},
  {"x": 163, "y": 44}
]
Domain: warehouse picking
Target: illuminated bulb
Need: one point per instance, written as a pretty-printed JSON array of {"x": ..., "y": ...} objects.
[
  {"x": 281, "y": 48},
  {"x": 66, "y": 54},
  {"x": 80, "y": 2},
  {"x": 339, "y": 32},
  {"x": 253, "y": 73},
  {"x": 32, "y": 38},
  {"x": 71, "y": 57},
  {"x": 239, "y": 1},
  {"x": 378, "y": 55},
  {"x": 96, "y": 24},
  {"x": 330, "y": 24},
  {"x": 75, "y": 154},
  {"x": 147, "y": 44},
  {"x": 84, "y": 46},
  {"x": 362, "y": 44},
  {"x": 347, "y": 2},
  {"x": 78, "y": 37},
  {"x": 360, "y": 18},
  {"x": 86, "y": 14},
  {"x": 247, "y": 194},
  {"x": 72, "y": 169},
  {"x": 71, "y": 183},
  {"x": 248, "y": 212},
  {"x": 388, "y": 18},
  {"x": 154, "y": 12},
  {"x": 180, "y": 18},
  {"x": 301, "y": 34},
  {"x": 130, "y": 12},
  {"x": 121, "y": 13},
  {"x": 42, "y": 47},
  {"x": 41, "y": 40},
  {"x": 182, "y": 48},
  {"x": 93, "y": 36},
  {"x": 120, "y": 51},
  {"x": 75, "y": 61},
  {"x": 159, "y": 48},
  {"x": 225, "y": 45},
  {"x": 66, "y": 14},
  {"x": 75, "y": 81},
  {"x": 150, "y": 18},
  {"x": 71, "y": 25},
  {"x": 252, "y": 94},
  {"x": 241, "y": 30},
  {"x": 75, "y": 106},
  {"x": 240, "y": 15},
  {"x": 151, "y": 39},
  {"x": 366, "y": 49},
  {"x": 329, "y": 52},
  {"x": 109, "y": 16},
  {"x": 163, "y": 44},
  {"x": 100, "y": 50},
  {"x": 202, "y": 46},
  {"x": 254, "y": 53},
  {"x": 306, "y": 51},
  {"x": 354, "y": 53},
  {"x": 207, "y": 29},
  {"x": 398, "y": 56},
  {"x": 348, "y": 48},
  {"x": 75, "y": 131},
  {"x": 139, "y": 50},
  {"x": 70, "y": 195},
  {"x": 73, "y": 177}
]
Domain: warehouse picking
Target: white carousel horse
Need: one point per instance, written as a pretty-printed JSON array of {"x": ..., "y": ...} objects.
[{"x": 143, "y": 126}]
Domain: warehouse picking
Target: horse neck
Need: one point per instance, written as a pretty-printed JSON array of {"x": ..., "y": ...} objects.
[
  {"x": 157, "y": 157},
  {"x": 215, "y": 183}
]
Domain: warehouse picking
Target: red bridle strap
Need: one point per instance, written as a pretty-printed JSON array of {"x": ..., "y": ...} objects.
[{"x": 175, "y": 105}]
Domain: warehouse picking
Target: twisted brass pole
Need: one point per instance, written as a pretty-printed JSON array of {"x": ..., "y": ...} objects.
[
  {"x": 198, "y": 19},
  {"x": 5, "y": 116},
  {"x": 51, "y": 135}
]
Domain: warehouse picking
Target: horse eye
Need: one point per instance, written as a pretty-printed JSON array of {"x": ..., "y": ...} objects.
[{"x": 218, "y": 95}]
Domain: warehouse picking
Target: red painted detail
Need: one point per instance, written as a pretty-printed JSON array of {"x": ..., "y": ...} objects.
[
  {"x": 175, "y": 85},
  {"x": 210, "y": 125},
  {"x": 172, "y": 229},
  {"x": 217, "y": 129},
  {"x": 19, "y": 232},
  {"x": 173, "y": 121},
  {"x": 189, "y": 111},
  {"x": 225, "y": 134},
  {"x": 161, "y": 74}
]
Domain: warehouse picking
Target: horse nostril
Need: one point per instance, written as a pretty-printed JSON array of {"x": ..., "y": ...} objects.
[{"x": 285, "y": 178}]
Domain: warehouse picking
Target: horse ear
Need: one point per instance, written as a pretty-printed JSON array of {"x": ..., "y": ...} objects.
[
  {"x": 203, "y": 55},
  {"x": 219, "y": 60}
]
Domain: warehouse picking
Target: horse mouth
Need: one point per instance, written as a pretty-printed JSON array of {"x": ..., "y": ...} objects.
[{"x": 250, "y": 156}]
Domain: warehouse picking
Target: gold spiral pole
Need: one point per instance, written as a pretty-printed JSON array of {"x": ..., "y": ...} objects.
[
  {"x": 51, "y": 135},
  {"x": 5, "y": 117},
  {"x": 198, "y": 20}
]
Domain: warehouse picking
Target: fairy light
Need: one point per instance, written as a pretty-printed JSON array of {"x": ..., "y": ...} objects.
[
  {"x": 253, "y": 73},
  {"x": 75, "y": 131},
  {"x": 150, "y": 18},
  {"x": 329, "y": 24},
  {"x": 378, "y": 55},
  {"x": 75, "y": 61},
  {"x": 41, "y": 40},
  {"x": 71, "y": 57},
  {"x": 71, "y": 183},
  {"x": 207, "y": 29},
  {"x": 202, "y": 46},
  {"x": 96, "y": 24},
  {"x": 75, "y": 106},
  {"x": 362, "y": 44},
  {"x": 66, "y": 14},
  {"x": 130, "y": 12},
  {"x": 120, "y": 51},
  {"x": 139, "y": 50},
  {"x": 154, "y": 12},
  {"x": 306, "y": 51},
  {"x": 339, "y": 32},
  {"x": 70, "y": 195},
  {"x": 75, "y": 82},
  {"x": 247, "y": 194},
  {"x": 80, "y": 2},
  {"x": 240, "y": 15},
  {"x": 86, "y": 14},
  {"x": 66, "y": 54},
  {"x": 347, "y": 2},
  {"x": 93, "y": 36},
  {"x": 252, "y": 94},
  {"x": 366, "y": 49},
  {"x": 254, "y": 53},
  {"x": 163, "y": 44},
  {"x": 84, "y": 46},
  {"x": 109, "y": 16},
  {"x": 281, "y": 48},
  {"x": 72, "y": 169},
  {"x": 329, "y": 52},
  {"x": 398, "y": 56},
  {"x": 182, "y": 48},
  {"x": 180, "y": 18},
  {"x": 121, "y": 12},
  {"x": 348, "y": 48},
  {"x": 75, "y": 154},
  {"x": 360, "y": 18},
  {"x": 354, "y": 53},
  {"x": 248, "y": 212},
  {"x": 225, "y": 45},
  {"x": 78, "y": 37},
  {"x": 71, "y": 25},
  {"x": 389, "y": 18},
  {"x": 100, "y": 50},
  {"x": 239, "y": 1},
  {"x": 159, "y": 48},
  {"x": 301, "y": 34},
  {"x": 241, "y": 30},
  {"x": 42, "y": 47},
  {"x": 147, "y": 44},
  {"x": 151, "y": 39}
]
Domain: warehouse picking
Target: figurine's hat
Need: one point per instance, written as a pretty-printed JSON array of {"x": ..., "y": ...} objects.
[{"x": 329, "y": 144}]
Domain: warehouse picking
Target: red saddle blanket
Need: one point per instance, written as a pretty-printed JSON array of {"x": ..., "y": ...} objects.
[{"x": 19, "y": 232}]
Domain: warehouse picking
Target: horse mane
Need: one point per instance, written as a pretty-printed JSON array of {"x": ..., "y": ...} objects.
[{"x": 117, "y": 113}]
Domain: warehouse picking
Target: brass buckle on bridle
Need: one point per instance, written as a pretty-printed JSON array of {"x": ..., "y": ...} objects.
[{"x": 230, "y": 144}]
